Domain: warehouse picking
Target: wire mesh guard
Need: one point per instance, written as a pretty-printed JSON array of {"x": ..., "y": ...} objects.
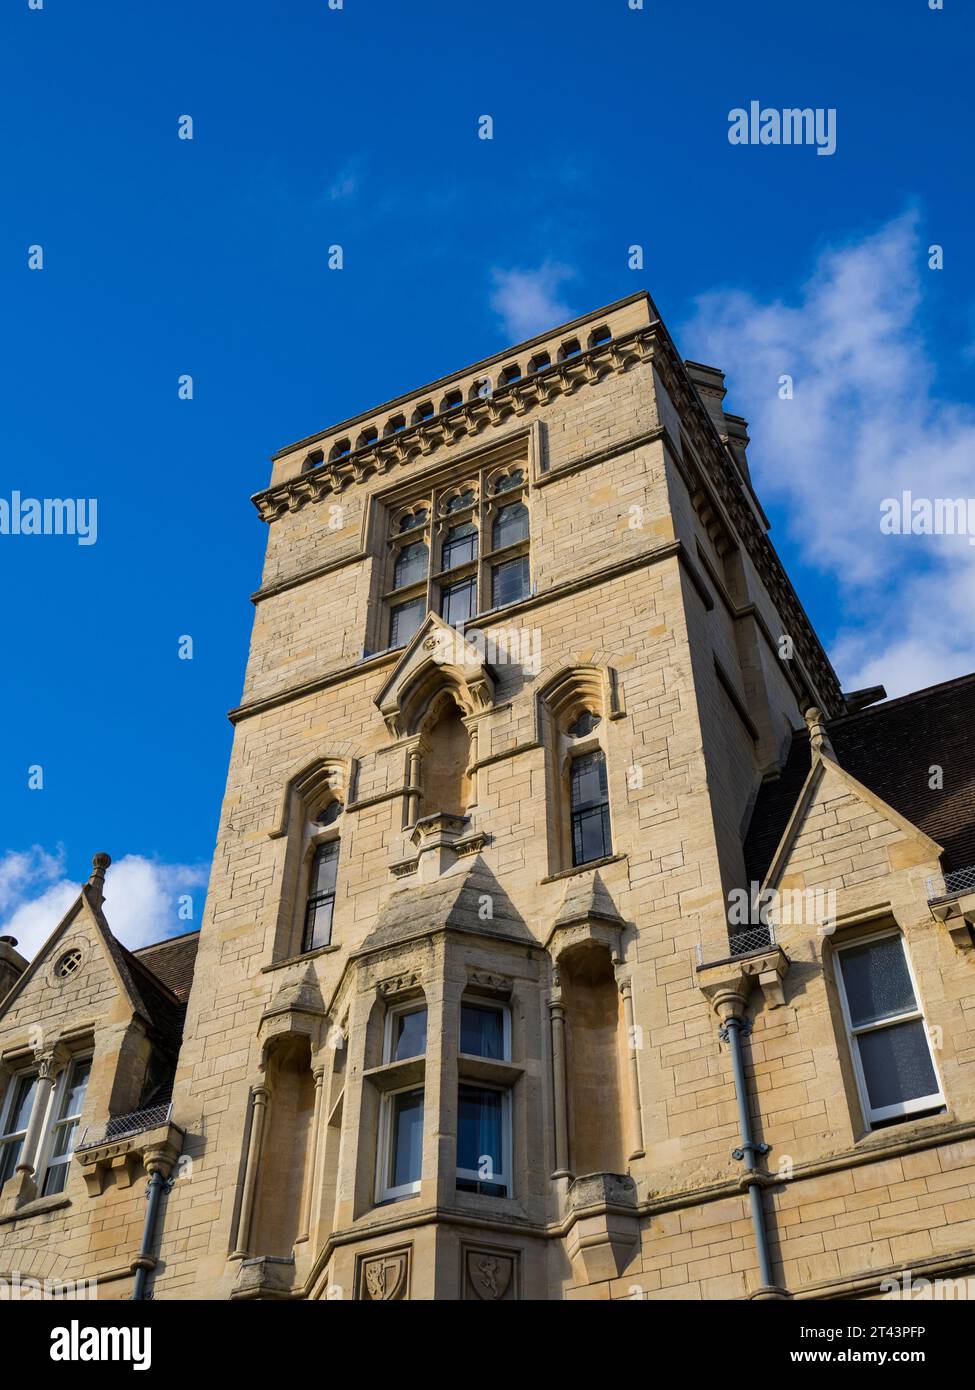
[
  {"x": 952, "y": 884},
  {"x": 123, "y": 1126}
]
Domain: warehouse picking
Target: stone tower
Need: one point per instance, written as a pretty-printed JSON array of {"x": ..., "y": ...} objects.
[{"x": 524, "y": 664}]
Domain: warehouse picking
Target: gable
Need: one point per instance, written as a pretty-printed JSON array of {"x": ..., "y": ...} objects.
[
  {"x": 842, "y": 832},
  {"x": 99, "y": 991}
]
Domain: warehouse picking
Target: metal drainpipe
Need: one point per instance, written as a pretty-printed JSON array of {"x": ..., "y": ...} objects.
[
  {"x": 732, "y": 1032},
  {"x": 144, "y": 1262}
]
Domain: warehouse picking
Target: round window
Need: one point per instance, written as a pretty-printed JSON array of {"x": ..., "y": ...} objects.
[{"x": 68, "y": 964}]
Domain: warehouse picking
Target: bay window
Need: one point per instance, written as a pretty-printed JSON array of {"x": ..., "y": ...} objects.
[
  {"x": 483, "y": 1109},
  {"x": 400, "y": 1157}
]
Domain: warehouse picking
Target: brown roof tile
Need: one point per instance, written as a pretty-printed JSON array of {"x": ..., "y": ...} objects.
[{"x": 891, "y": 749}]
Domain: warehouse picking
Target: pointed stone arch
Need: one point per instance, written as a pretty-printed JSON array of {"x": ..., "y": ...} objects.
[
  {"x": 313, "y": 778},
  {"x": 586, "y": 684},
  {"x": 585, "y": 677},
  {"x": 439, "y": 661}
]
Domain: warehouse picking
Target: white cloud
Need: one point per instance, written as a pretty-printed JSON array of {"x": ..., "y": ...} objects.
[
  {"x": 140, "y": 897},
  {"x": 527, "y": 301},
  {"x": 866, "y": 423},
  {"x": 345, "y": 185}
]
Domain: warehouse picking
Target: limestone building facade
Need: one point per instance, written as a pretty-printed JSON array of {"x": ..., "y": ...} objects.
[{"x": 486, "y": 1004}]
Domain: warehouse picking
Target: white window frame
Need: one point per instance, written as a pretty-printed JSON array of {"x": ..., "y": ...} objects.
[
  {"x": 13, "y": 1086},
  {"x": 397, "y": 1011},
  {"x": 54, "y": 1120},
  {"x": 384, "y": 1191},
  {"x": 902, "y": 1109},
  {"x": 384, "y": 1152},
  {"x": 43, "y": 1160},
  {"x": 507, "y": 1147},
  {"x": 480, "y": 1003}
]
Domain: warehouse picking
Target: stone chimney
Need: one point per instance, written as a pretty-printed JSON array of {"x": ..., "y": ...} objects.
[{"x": 12, "y": 964}]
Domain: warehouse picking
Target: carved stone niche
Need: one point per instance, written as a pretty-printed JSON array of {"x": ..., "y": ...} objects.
[
  {"x": 603, "y": 1231},
  {"x": 297, "y": 1009},
  {"x": 126, "y": 1157},
  {"x": 587, "y": 915},
  {"x": 383, "y": 1276},
  {"x": 489, "y": 1275}
]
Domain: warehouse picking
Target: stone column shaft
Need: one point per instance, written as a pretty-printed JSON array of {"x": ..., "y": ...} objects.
[
  {"x": 557, "y": 1021},
  {"x": 255, "y": 1143}
]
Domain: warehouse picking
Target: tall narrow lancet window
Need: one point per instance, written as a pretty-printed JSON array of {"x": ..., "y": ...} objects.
[
  {"x": 589, "y": 797},
  {"x": 321, "y": 885}
]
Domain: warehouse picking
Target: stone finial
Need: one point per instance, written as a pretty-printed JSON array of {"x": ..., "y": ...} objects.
[
  {"x": 818, "y": 737},
  {"x": 97, "y": 880}
]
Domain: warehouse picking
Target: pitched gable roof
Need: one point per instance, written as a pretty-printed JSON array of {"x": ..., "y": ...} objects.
[
  {"x": 890, "y": 748},
  {"x": 172, "y": 961},
  {"x": 159, "y": 1000}
]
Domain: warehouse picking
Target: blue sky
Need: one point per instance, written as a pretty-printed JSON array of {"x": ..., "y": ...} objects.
[{"x": 358, "y": 126}]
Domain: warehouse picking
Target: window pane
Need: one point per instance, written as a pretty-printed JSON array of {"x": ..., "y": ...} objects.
[
  {"x": 318, "y": 924},
  {"x": 513, "y": 479},
  {"x": 878, "y": 983},
  {"x": 19, "y": 1117},
  {"x": 897, "y": 1064},
  {"x": 409, "y": 1037},
  {"x": 480, "y": 1136},
  {"x": 64, "y": 1137},
  {"x": 55, "y": 1179},
  {"x": 77, "y": 1086},
  {"x": 481, "y": 1031},
  {"x": 9, "y": 1155},
  {"x": 324, "y": 869},
  {"x": 458, "y": 602},
  {"x": 411, "y": 565},
  {"x": 461, "y": 501},
  {"x": 460, "y": 546},
  {"x": 404, "y": 620},
  {"x": 510, "y": 581},
  {"x": 510, "y": 525},
  {"x": 584, "y": 724},
  {"x": 406, "y": 1149},
  {"x": 588, "y": 780},
  {"x": 591, "y": 835}
]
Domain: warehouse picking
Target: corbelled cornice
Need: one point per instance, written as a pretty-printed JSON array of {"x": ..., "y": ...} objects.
[
  {"x": 713, "y": 473},
  {"x": 470, "y": 418}
]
